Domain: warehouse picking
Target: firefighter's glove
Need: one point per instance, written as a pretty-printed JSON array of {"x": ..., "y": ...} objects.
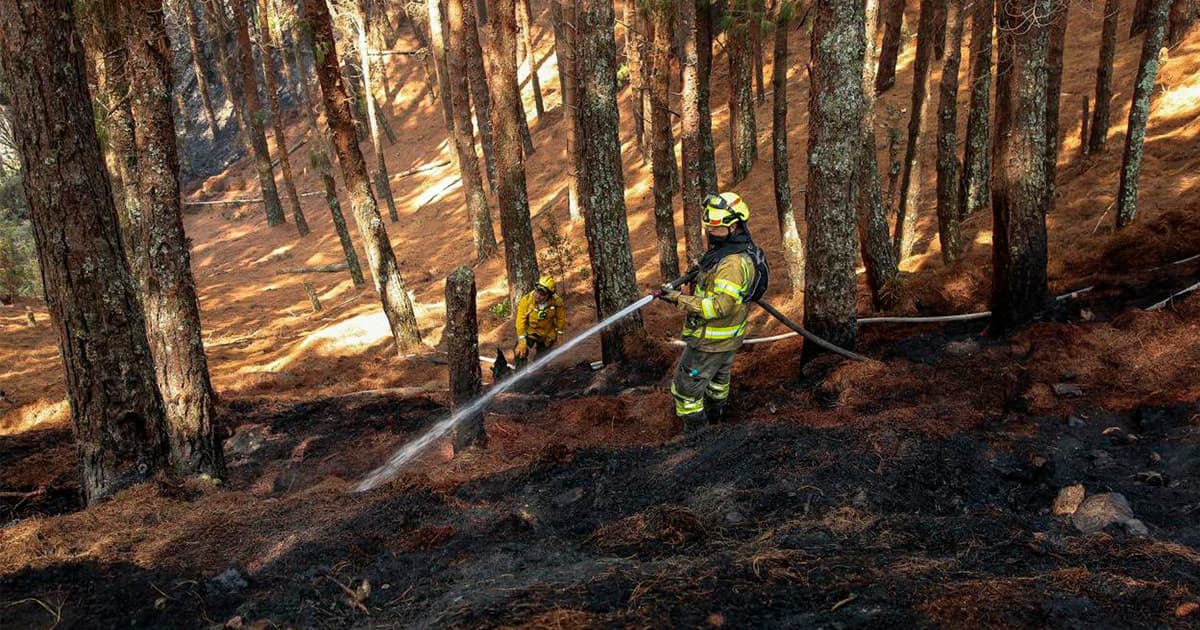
[
  {"x": 667, "y": 294},
  {"x": 521, "y": 350}
]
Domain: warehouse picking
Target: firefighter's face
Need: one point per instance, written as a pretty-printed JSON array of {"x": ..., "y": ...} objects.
[
  {"x": 720, "y": 231},
  {"x": 542, "y": 295}
]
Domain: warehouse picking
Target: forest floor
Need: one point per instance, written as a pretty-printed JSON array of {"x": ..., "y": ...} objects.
[{"x": 915, "y": 490}]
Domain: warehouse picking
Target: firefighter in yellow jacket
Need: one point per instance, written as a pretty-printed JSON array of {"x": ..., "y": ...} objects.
[
  {"x": 716, "y": 312},
  {"x": 541, "y": 318}
]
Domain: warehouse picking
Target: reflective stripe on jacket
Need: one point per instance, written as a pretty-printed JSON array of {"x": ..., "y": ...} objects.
[
  {"x": 716, "y": 320},
  {"x": 545, "y": 321}
]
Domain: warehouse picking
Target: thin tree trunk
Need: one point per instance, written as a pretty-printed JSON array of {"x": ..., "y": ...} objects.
[
  {"x": 704, "y": 58},
  {"x": 437, "y": 41},
  {"x": 974, "y": 193},
  {"x": 225, "y": 52},
  {"x": 116, "y": 409},
  {"x": 1019, "y": 187},
  {"x": 525, "y": 50},
  {"x": 383, "y": 182},
  {"x": 939, "y": 30},
  {"x": 690, "y": 132},
  {"x": 918, "y": 111},
  {"x": 1141, "y": 16},
  {"x": 613, "y": 280},
  {"x": 480, "y": 99},
  {"x": 520, "y": 254},
  {"x": 635, "y": 46},
  {"x": 564, "y": 46},
  {"x": 462, "y": 343},
  {"x": 266, "y": 44},
  {"x": 252, "y": 116},
  {"x": 662, "y": 150},
  {"x": 319, "y": 152},
  {"x": 889, "y": 50},
  {"x": 834, "y": 145},
  {"x": 1057, "y": 45},
  {"x": 1084, "y": 120},
  {"x": 1104, "y": 75},
  {"x": 464, "y": 134},
  {"x": 418, "y": 18},
  {"x": 756, "y": 18},
  {"x": 1139, "y": 112},
  {"x": 380, "y": 257},
  {"x": 743, "y": 133},
  {"x": 875, "y": 243},
  {"x": 197, "y": 49},
  {"x": 948, "y": 201},
  {"x": 793, "y": 248}
]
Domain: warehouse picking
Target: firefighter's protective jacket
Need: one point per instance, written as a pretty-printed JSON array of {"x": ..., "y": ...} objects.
[
  {"x": 716, "y": 313},
  {"x": 543, "y": 321}
]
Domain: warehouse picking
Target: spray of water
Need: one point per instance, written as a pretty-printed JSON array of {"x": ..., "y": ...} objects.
[{"x": 392, "y": 466}]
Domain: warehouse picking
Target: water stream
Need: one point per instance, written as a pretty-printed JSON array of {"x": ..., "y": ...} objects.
[{"x": 405, "y": 454}]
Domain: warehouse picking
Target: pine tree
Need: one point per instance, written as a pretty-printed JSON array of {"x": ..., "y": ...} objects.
[
  {"x": 266, "y": 47},
  {"x": 1139, "y": 111},
  {"x": 793, "y": 248},
  {"x": 948, "y": 200},
  {"x": 889, "y": 50},
  {"x": 1104, "y": 73},
  {"x": 480, "y": 99},
  {"x": 910, "y": 177},
  {"x": 252, "y": 115},
  {"x": 973, "y": 190},
  {"x": 196, "y": 45},
  {"x": 743, "y": 134},
  {"x": 383, "y": 181},
  {"x": 706, "y": 14},
  {"x": 1057, "y": 44},
  {"x": 525, "y": 53},
  {"x": 662, "y": 149},
  {"x": 564, "y": 52},
  {"x": 690, "y": 134}
]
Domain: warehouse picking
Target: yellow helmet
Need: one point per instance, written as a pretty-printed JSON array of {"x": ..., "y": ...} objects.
[
  {"x": 724, "y": 210},
  {"x": 547, "y": 283}
]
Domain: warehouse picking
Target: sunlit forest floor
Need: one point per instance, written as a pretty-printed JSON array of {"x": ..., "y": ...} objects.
[{"x": 913, "y": 490}]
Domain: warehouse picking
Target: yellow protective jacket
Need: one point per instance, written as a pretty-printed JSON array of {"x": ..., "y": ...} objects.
[
  {"x": 545, "y": 321},
  {"x": 716, "y": 320}
]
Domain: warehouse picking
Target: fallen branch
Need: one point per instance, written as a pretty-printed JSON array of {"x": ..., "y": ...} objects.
[
  {"x": 315, "y": 269},
  {"x": 1155, "y": 307},
  {"x": 421, "y": 169}
]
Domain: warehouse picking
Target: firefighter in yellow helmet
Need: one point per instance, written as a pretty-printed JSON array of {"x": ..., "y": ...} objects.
[
  {"x": 541, "y": 318},
  {"x": 716, "y": 312}
]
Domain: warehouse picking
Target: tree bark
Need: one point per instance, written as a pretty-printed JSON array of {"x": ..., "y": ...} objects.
[
  {"x": 319, "y": 152},
  {"x": 520, "y": 254},
  {"x": 793, "y": 248},
  {"x": 252, "y": 116},
  {"x": 704, "y": 57},
  {"x": 635, "y": 47},
  {"x": 462, "y": 350},
  {"x": 116, "y": 409},
  {"x": 564, "y": 52},
  {"x": 889, "y": 50},
  {"x": 1139, "y": 111},
  {"x": 418, "y": 18},
  {"x": 437, "y": 44},
  {"x": 948, "y": 201},
  {"x": 380, "y": 257},
  {"x": 1141, "y": 15},
  {"x": 613, "y": 280},
  {"x": 1104, "y": 75},
  {"x": 743, "y": 134},
  {"x": 910, "y": 177},
  {"x": 383, "y": 182},
  {"x": 1019, "y": 187},
  {"x": 690, "y": 132},
  {"x": 227, "y": 72},
  {"x": 480, "y": 99},
  {"x": 197, "y": 49},
  {"x": 522, "y": 123},
  {"x": 974, "y": 193},
  {"x": 1181, "y": 20},
  {"x": 525, "y": 51},
  {"x": 1057, "y": 46},
  {"x": 834, "y": 145},
  {"x": 875, "y": 243},
  {"x": 464, "y": 133},
  {"x": 662, "y": 149},
  {"x": 756, "y": 17},
  {"x": 266, "y": 45},
  {"x": 1085, "y": 119}
]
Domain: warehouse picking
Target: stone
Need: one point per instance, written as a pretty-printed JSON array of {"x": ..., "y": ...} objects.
[
  {"x": 247, "y": 440},
  {"x": 964, "y": 348},
  {"x": 1075, "y": 422},
  {"x": 1068, "y": 500},
  {"x": 1067, "y": 390},
  {"x": 229, "y": 581},
  {"x": 568, "y": 497},
  {"x": 733, "y": 518},
  {"x": 1101, "y": 510},
  {"x": 1135, "y": 527}
]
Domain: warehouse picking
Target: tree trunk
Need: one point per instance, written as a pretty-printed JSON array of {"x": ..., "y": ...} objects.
[
  {"x": 743, "y": 135},
  {"x": 319, "y": 153},
  {"x": 252, "y": 116},
  {"x": 418, "y": 18},
  {"x": 198, "y": 57},
  {"x": 564, "y": 52},
  {"x": 157, "y": 249},
  {"x": 793, "y": 248},
  {"x": 834, "y": 145},
  {"x": 227, "y": 73},
  {"x": 383, "y": 182},
  {"x": 525, "y": 50},
  {"x": 974, "y": 193},
  {"x": 662, "y": 150},
  {"x": 380, "y": 257},
  {"x": 756, "y": 17},
  {"x": 464, "y": 134},
  {"x": 266, "y": 45},
  {"x": 879, "y": 258},
  {"x": 116, "y": 410},
  {"x": 1139, "y": 111},
  {"x": 947, "y": 144},
  {"x": 1019, "y": 187},
  {"x": 1057, "y": 45},
  {"x": 939, "y": 30},
  {"x": 1084, "y": 119},
  {"x": 520, "y": 253},
  {"x": 437, "y": 44},
  {"x": 462, "y": 347},
  {"x": 613, "y": 280},
  {"x": 914, "y": 162},
  {"x": 1181, "y": 20},
  {"x": 692, "y": 174},
  {"x": 1141, "y": 15},
  {"x": 704, "y": 57},
  {"x": 635, "y": 46},
  {"x": 480, "y": 99},
  {"x": 889, "y": 50},
  {"x": 1104, "y": 74}
]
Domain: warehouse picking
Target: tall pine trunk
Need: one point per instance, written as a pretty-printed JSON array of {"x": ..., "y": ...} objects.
[
  {"x": 1019, "y": 186},
  {"x": 613, "y": 280},
  {"x": 1057, "y": 45},
  {"x": 834, "y": 146},
  {"x": 918, "y": 112},
  {"x": 198, "y": 59},
  {"x": 464, "y": 133},
  {"x": 974, "y": 192},
  {"x": 380, "y": 257},
  {"x": 564, "y": 52},
  {"x": 705, "y": 28},
  {"x": 525, "y": 52},
  {"x": 520, "y": 254},
  {"x": 875, "y": 243},
  {"x": 948, "y": 200},
  {"x": 480, "y": 99},
  {"x": 662, "y": 149},
  {"x": 1139, "y": 111},
  {"x": 252, "y": 116},
  {"x": 266, "y": 45},
  {"x": 690, "y": 133},
  {"x": 1104, "y": 75},
  {"x": 635, "y": 48},
  {"x": 793, "y": 248},
  {"x": 116, "y": 409},
  {"x": 1141, "y": 17},
  {"x": 889, "y": 50},
  {"x": 743, "y": 133},
  {"x": 226, "y": 54},
  {"x": 383, "y": 181}
]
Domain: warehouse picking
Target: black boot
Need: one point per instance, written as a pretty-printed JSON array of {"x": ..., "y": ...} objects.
[
  {"x": 693, "y": 422},
  {"x": 715, "y": 409}
]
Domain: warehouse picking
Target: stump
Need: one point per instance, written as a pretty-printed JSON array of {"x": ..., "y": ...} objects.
[
  {"x": 29, "y": 319},
  {"x": 312, "y": 297},
  {"x": 462, "y": 350}
]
